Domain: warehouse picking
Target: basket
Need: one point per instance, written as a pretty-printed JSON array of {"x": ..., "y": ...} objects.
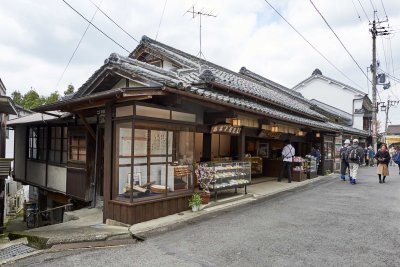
[{"x": 157, "y": 189}]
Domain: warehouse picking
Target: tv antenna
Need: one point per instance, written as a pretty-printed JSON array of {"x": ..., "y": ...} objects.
[{"x": 200, "y": 13}]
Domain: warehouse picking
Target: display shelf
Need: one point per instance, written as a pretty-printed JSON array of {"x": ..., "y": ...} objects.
[
  {"x": 299, "y": 169},
  {"x": 256, "y": 165},
  {"x": 230, "y": 175},
  {"x": 311, "y": 166}
]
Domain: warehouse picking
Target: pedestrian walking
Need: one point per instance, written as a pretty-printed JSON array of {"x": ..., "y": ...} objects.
[
  {"x": 383, "y": 158},
  {"x": 344, "y": 164},
  {"x": 371, "y": 156},
  {"x": 355, "y": 157},
  {"x": 391, "y": 153},
  {"x": 288, "y": 153},
  {"x": 396, "y": 157},
  {"x": 317, "y": 154},
  {"x": 366, "y": 156}
]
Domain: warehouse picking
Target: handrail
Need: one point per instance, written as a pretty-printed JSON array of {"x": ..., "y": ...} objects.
[{"x": 43, "y": 211}]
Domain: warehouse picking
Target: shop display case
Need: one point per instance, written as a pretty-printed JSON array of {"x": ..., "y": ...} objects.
[
  {"x": 256, "y": 165},
  {"x": 311, "y": 166},
  {"x": 299, "y": 169},
  {"x": 230, "y": 175}
]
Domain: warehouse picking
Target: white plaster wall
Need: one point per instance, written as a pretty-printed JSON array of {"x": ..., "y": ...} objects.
[
  {"x": 20, "y": 152},
  {"x": 328, "y": 93},
  {"x": 57, "y": 178},
  {"x": 167, "y": 65},
  {"x": 358, "y": 121},
  {"x": 36, "y": 173}
]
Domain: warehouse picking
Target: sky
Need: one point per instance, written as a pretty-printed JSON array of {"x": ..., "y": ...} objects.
[{"x": 37, "y": 39}]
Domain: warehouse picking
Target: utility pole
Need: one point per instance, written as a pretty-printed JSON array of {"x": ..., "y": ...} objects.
[
  {"x": 389, "y": 104},
  {"x": 373, "y": 71},
  {"x": 375, "y": 31}
]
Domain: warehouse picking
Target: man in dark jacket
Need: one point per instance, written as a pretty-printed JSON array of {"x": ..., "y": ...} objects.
[
  {"x": 355, "y": 158},
  {"x": 344, "y": 165}
]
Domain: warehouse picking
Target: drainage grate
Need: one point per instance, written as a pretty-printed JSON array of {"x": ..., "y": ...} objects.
[{"x": 15, "y": 250}]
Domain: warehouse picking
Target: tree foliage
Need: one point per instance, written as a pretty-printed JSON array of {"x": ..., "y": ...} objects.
[
  {"x": 70, "y": 90},
  {"x": 32, "y": 99}
]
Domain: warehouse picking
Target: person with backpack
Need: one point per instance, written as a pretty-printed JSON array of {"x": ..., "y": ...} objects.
[
  {"x": 396, "y": 157},
  {"x": 383, "y": 158},
  {"x": 288, "y": 153},
  {"x": 355, "y": 158},
  {"x": 371, "y": 156},
  {"x": 344, "y": 164}
]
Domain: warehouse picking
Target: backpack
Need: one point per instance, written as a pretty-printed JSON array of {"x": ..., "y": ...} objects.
[
  {"x": 396, "y": 158},
  {"x": 353, "y": 155},
  {"x": 343, "y": 153}
]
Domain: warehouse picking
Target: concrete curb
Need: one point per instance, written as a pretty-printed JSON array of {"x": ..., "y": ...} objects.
[{"x": 143, "y": 230}]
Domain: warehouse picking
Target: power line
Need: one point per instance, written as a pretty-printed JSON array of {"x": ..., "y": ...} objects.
[
  {"x": 162, "y": 15},
  {"x": 365, "y": 13},
  {"x": 313, "y": 47},
  {"x": 77, "y": 46},
  {"x": 340, "y": 41},
  {"x": 97, "y": 28},
  {"x": 358, "y": 15},
  {"x": 116, "y": 24},
  {"x": 384, "y": 9}
]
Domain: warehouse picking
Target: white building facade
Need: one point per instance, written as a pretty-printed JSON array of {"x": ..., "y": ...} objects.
[{"x": 340, "y": 96}]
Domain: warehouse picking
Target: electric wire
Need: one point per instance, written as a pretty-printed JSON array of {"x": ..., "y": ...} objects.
[
  {"x": 365, "y": 13},
  {"x": 312, "y": 46},
  {"x": 97, "y": 28},
  {"x": 358, "y": 15},
  {"x": 77, "y": 46},
  {"x": 115, "y": 23},
  {"x": 162, "y": 15},
  {"x": 384, "y": 9},
  {"x": 340, "y": 41}
]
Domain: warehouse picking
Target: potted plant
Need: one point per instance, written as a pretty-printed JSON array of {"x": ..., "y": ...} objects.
[
  {"x": 195, "y": 202},
  {"x": 205, "y": 176}
]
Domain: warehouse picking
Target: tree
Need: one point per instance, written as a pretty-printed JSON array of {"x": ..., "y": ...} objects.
[
  {"x": 70, "y": 90},
  {"x": 31, "y": 99},
  {"x": 17, "y": 97},
  {"x": 53, "y": 97}
]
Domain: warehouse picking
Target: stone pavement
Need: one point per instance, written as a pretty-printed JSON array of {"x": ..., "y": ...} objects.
[{"x": 90, "y": 229}]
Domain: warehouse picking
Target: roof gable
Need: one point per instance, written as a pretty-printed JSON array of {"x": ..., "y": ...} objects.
[{"x": 318, "y": 76}]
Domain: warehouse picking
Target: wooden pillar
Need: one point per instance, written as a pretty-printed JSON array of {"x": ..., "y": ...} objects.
[
  {"x": 206, "y": 147},
  {"x": 241, "y": 144},
  {"x": 2, "y": 178},
  {"x": 107, "y": 179}
]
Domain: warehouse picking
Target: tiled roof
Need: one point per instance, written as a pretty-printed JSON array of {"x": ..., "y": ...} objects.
[
  {"x": 186, "y": 79},
  {"x": 227, "y": 78},
  {"x": 147, "y": 71},
  {"x": 332, "y": 110}
]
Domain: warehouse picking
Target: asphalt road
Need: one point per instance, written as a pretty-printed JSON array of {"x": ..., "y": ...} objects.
[{"x": 331, "y": 223}]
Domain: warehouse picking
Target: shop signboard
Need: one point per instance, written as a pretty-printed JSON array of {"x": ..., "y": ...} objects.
[
  {"x": 269, "y": 134},
  {"x": 226, "y": 129}
]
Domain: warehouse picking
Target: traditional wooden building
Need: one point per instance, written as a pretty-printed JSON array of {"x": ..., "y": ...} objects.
[{"x": 132, "y": 134}]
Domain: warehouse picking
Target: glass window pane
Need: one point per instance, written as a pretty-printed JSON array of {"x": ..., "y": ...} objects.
[
  {"x": 124, "y": 139},
  {"x": 58, "y": 144},
  {"x": 57, "y": 157},
  {"x": 82, "y": 157},
  {"x": 141, "y": 139},
  {"x": 82, "y": 141},
  {"x": 123, "y": 179},
  {"x": 58, "y": 132},
  {"x": 158, "y": 159},
  {"x": 140, "y": 160},
  {"x": 140, "y": 174},
  {"x": 158, "y": 143}
]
